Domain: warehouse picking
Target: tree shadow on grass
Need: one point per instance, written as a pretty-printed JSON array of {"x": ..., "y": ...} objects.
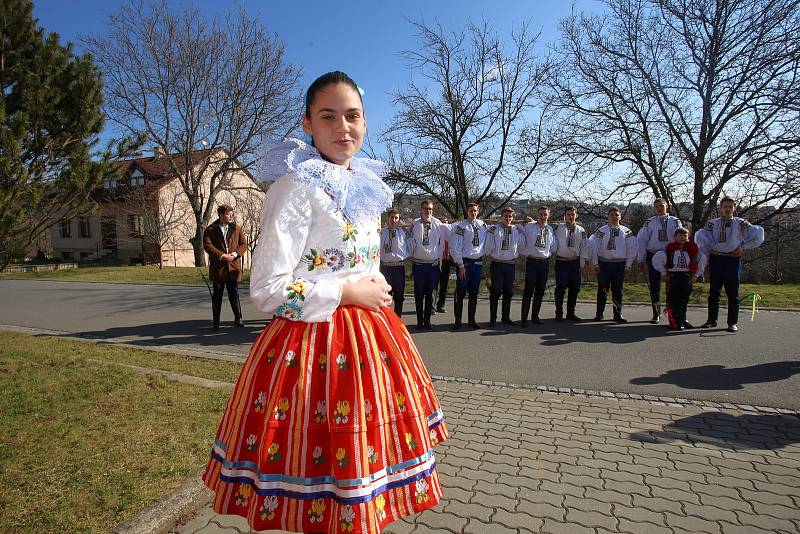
[{"x": 728, "y": 431}]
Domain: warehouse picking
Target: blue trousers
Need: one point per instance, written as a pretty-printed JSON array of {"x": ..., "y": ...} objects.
[
  {"x": 425, "y": 278},
  {"x": 653, "y": 279},
  {"x": 471, "y": 285},
  {"x": 724, "y": 271},
  {"x": 396, "y": 277},
  {"x": 611, "y": 277},
  {"x": 568, "y": 278},
  {"x": 502, "y": 276},
  {"x": 535, "y": 284}
]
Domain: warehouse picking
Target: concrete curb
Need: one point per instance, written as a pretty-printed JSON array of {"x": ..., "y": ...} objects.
[{"x": 163, "y": 515}]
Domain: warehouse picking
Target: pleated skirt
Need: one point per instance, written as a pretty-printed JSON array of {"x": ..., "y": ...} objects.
[{"x": 330, "y": 428}]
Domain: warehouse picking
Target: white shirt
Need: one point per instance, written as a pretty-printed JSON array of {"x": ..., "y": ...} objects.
[
  {"x": 424, "y": 239},
  {"x": 656, "y": 234},
  {"x": 469, "y": 239},
  {"x": 613, "y": 244},
  {"x": 393, "y": 245},
  {"x": 723, "y": 237},
  {"x": 502, "y": 242},
  {"x": 571, "y": 242},
  {"x": 540, "y": 243}
]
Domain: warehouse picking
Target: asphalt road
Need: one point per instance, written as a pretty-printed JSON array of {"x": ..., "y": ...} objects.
[{"x": 760, "y": 365}]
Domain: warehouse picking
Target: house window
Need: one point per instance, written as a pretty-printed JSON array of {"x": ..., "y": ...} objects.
[
  {"x": 137, "y": 181},
  {"x": 83, "y": 226},
  {"x": 66, "y": 228},
  {"x": 110, "y": 183},
  {"x": 134, "y": 225},
  {"x": 66, "y": 256}
]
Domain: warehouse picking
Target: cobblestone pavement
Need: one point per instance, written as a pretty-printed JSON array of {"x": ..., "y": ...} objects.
[{"x": 521, "y": 461}]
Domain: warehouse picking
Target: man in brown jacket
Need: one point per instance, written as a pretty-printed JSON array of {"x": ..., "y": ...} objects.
[{"x": 225, "y": 243}]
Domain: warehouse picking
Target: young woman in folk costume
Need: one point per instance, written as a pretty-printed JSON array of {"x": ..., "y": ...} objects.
[{"x": 331, "y": 424}]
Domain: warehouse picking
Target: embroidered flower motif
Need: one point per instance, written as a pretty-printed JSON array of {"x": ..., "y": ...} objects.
[
  {"x": 243, "y": 494},
  {"x": 267, "y": 511},
  {"x": 297, "y": 290},
  {"x": 271, "y": 356},
  {"x": 341, "y": 412},
  {"x": 434, "y": 437},
  {"x": 317, "y": 455},
  {"x": 368, "y": 410},
  {"x": 356, "y": 258},
  {"x": 411, "y": 441},
  {"x": 323, "y": 361},
  {"x": 330, "y": 258},
  {"x": 260, "y": 401},
  {"x": 281, "y": 408},
  {"x": 372, "y": 456},
  {"x": 421, "y": 493},
  {"x": 316, "y": 511},
  {"x": 380, "y": 507},
  {"x": 349, "y": 232},
  {"x": 342, "y": 363},
  {"x": 321, "y": 412},
  {"x": 274, "y": 452},
  {"x": 341, "y": 457},
  {"x": 291, "y": 360},
  {"x": 348, "y": 515},
  {"x": 401, "y": 401},
  {"x": 289, "y": 310},
  {"x": 251, "y": 442}
]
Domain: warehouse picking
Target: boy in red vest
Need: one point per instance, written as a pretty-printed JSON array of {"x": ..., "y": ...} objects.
[{"x": 681, "y": 263}]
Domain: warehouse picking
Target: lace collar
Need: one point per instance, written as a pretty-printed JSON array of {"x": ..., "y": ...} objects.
[{"x": 358, "y": 192}]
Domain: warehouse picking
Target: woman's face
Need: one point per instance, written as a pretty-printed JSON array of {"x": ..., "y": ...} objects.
[{"x": 336, "y": 123}]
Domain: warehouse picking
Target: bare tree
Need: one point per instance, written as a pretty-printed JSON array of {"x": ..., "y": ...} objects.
[
  {"x": 248, "y": 213},
  {"x": 189, "y": 83},
  {"x": 161, "y": 216},
  {"x": 682, "y": 99},
  {"x": 468, "y": 129}
]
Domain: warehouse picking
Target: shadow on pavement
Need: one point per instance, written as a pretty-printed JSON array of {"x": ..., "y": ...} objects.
[
  {"x": 189, "y": 332},
  {"x": 597, "y": 332},
  {"x": 721, "y": 378},
  {"x": 728, "y": 431}
]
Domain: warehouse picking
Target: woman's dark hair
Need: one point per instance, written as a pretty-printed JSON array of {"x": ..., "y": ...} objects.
[{"x": 329, "y": 78}]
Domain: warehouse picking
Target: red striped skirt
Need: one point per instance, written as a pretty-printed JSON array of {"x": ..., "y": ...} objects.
[{"x": 329, "y": 428}]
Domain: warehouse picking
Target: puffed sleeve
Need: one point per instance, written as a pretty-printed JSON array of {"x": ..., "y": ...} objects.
[
  {"x": 631, "y": 249},
  {"x": 702, "y": 238},
  {"x": 584, "y": 248},
  {"x": 642, "y": 239},
  {"x": 456, "y": 245},
  {"x": 285, "y": 225},
  {"x": 594, "y": 242},
  {"x": 752, "y": 235},
  {"x": 660, "y": 262},
  {"x": 702, "y": 261}
]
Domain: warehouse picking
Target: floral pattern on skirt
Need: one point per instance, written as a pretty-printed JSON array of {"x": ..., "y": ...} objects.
[{"x": 329, "y": 428}]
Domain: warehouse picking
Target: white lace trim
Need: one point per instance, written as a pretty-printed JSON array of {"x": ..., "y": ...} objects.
[{"x": 359, "y": 192}]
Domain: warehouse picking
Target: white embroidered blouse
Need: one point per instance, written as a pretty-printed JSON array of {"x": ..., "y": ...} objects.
[{"x": 320, "y": 229}]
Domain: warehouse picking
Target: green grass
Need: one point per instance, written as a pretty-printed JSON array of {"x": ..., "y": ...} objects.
[
  {"x": 148, "y": 274},
  {"x": 85, "y": 444}
]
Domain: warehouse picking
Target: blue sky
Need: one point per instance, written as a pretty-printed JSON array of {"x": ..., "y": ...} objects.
[{"x": 363, "y": 38}]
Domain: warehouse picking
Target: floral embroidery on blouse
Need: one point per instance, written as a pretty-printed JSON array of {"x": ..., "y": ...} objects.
[
  {"x": 330, "y": 258},
  {"x": 350, "y": 232}
]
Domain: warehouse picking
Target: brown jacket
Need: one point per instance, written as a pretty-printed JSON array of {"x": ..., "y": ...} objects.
[{"x": 216, "y": 246}]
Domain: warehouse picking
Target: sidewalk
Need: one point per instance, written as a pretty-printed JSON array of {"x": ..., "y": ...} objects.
[{"x": 521, "y": 461}]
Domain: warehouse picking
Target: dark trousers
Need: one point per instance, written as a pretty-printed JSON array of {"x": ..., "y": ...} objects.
[
  {"x": 425, "y": 277},
  {"x": 470, "y": 284},
  {"x": 653, "y": 279},
  {"x": 678, "y": 292},
  {"x": 444, "y": 281},
  {"x": 502, "y": 277},
  {"x": 723, "y": 271},
  {"x": 535, "y": 284},
  {"x": 568, "y": 277},
  {"x": 396, "y": 277},
  {"x": 233, "y": 297},
  {"x": 611, "y": 277}
]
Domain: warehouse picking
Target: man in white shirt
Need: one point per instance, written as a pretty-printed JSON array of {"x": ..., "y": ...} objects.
[
  {"x": 723, "y": 240},
  {"x": 614, "y": 249},
  {"x": 469, "y": 239},
  {"x": 572, "y": 256},
  {"x": 658, "y": 232},
  {"x": 502, "y": 246},
  {"x": 539, "y": 245},
  {"x": 393, "y": 252},
  {"x": 423, "y": 247}
]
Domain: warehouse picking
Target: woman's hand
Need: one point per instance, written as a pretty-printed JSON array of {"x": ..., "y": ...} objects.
[{"x": 370, "y": 292}]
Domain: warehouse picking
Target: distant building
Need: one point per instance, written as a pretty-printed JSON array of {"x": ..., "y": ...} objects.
[{"x": 145, "y": 217}]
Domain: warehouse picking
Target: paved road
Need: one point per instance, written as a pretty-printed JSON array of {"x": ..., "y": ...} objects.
[{"x": 759, "y": 366}]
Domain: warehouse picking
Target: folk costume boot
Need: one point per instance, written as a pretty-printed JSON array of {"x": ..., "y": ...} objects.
[
  {"x": 507, "y": 311},
  {"x": 472, "y": 306},
  {"x": 458, "y": 308},
  {"x": 572, "y": 300},
  {"x": 537, "y": 306},
  {"x": 428, "y": 312},
  {"x": 601, "y": 306},
  {"x": 493, "y": 311},
  {"x": 559, "y": 302},
  {"x": 216, "y": 309},
  {"x": 656, "y": 313},
  {"x": 526, "y": 307}
]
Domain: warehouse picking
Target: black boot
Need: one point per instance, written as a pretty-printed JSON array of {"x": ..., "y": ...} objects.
[
  {"x": 601, "y": 305},
  {"x": 493, "y": 301},
  {"x": 506, "y": 315},
  {"x": 428, "y": 311},
  {"x": 537, "y": 306},
  {"x": 216, "y": 309},
  {"x": 572, "y": 299},
  {"x": 656, "y": 314},
  {"x": 472, "y": 306},
  {"x": 236, "y": 307},
  {"x": 526, "y": 306},
  {"x": 559, "y": 302},
  {"x": 458, "y": 307}
]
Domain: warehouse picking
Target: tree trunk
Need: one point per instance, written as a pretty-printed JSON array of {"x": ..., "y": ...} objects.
[{"x": 197, "y": 246}]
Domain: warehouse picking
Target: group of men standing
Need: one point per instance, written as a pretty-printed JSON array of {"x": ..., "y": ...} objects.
[{"x": 662, "y": 246}]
